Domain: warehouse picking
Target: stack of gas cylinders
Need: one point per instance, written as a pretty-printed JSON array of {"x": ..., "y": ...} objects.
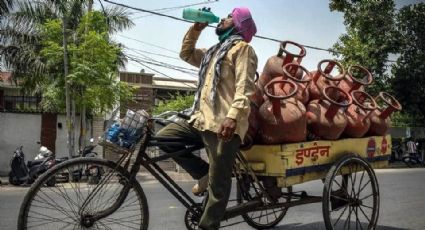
[{"x": 292, "y": 104}]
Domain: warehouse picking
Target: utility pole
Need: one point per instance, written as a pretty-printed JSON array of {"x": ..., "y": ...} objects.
[
  {"x": 83, "y": 120},
  {"x": 69, "y": 123}
]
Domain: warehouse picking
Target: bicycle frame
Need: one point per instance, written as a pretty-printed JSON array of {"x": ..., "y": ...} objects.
[{"x": 150, "y": 163}]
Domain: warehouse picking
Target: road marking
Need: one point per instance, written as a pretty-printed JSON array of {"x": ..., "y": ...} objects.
[{"x": 12, "y": 188}]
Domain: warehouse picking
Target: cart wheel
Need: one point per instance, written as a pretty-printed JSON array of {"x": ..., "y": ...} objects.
[
  {"x": 351, "y": 195},
  {"x": 248, "y": 190}
]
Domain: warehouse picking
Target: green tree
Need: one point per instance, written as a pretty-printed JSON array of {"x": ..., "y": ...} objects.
[
  {"x": 21, "y": 43},
  {"x": 370, "y": 37},
  {"x": 93, "y": 66},
  {"x": 177, "y": 102},
  {"x": 409, "y": 72},
  {"x": 20, "y": 34}
]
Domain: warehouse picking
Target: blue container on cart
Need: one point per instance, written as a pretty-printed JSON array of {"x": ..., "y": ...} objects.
[{"x": 113, "y": 133}]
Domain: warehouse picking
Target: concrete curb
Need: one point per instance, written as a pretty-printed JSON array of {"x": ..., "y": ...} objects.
[{"x": 141, "y": 177}]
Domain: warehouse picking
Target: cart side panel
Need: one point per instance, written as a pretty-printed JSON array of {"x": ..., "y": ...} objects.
[{"x": 306, "y": 161}]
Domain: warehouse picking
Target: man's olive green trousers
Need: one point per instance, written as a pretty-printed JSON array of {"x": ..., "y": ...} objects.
[{"x": 221, "y": 157}]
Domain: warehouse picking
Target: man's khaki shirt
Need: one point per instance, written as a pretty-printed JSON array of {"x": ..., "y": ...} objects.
[{"x": 236, "y": 84}]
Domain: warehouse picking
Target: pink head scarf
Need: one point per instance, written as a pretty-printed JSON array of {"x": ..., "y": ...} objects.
[{"x": 244, "y": 24}]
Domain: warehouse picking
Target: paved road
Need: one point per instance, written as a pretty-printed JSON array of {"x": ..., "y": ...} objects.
[{"x": 402, "y": 204}]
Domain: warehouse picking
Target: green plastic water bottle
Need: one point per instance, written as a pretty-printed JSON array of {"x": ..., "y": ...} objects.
[{"x": 200, "y": 15}]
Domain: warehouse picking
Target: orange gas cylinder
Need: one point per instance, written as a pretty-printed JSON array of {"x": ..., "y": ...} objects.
[
  {"x": 302, "y": 80},
  {"x": 380, "y": 118},
  {"x": 282, "y": 118},
  {"x": 357, "y": 78},
  {"x": 323, "y": 77},
  {"x": 274, "y": 64},
  {"x": 358, "y": 113},
  {"x": 326, "y": 118}
]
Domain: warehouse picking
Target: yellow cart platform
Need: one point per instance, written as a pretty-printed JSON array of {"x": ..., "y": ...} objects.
[
  {"x": 301, "y": 162},
  {"x": 350, "y": 187}
]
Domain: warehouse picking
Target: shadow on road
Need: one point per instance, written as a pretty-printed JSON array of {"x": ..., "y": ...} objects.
[{"x": 321, "y": 226}]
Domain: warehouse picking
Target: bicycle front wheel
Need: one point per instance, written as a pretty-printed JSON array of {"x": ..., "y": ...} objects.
[{"x": 70, "y": 204}]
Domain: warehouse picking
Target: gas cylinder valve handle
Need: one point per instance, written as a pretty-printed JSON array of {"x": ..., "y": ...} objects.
[
  {"x": 393, "y": 104},
  {"x": 359, "y": 97},
  {"x": 281, "y": 97},
  {"x": 326, "y": 72},
  {"x": 289, "y": 57},
  {"x": 275, "y": 100},
  {"x": 357, "y": 81},
  {"x": 287, "y": 71},
  {"x": 335, "y": 105}
]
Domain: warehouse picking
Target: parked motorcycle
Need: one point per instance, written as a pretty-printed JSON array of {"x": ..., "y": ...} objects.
[
  {"x": 22, "y": 173},
  {"x": 413, "y": 159},
  {"x": 91, "y": 174}
]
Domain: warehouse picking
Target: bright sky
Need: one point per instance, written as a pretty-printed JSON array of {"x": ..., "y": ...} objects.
[{"x": 307, "y": 22}]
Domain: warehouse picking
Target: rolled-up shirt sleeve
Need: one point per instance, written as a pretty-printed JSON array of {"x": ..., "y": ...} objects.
[
  {"x": 245, "y": 68},
  {"x": 189, "y": 52}
]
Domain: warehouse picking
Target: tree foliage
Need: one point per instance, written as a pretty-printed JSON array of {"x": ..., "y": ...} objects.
[
  {"x": 370, "y": 37},
  {"x": 374, "y": 30},
  {"x": 409, "y": 72},
  {"x": 177, "y": 102},
  {"x": 20, "y": 34},
  {"x": 93, "y": 65},
  {"x": 31, "y": 46}
]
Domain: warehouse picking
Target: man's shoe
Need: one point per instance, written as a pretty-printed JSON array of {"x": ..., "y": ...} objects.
[{"x": 202, "y": 185}]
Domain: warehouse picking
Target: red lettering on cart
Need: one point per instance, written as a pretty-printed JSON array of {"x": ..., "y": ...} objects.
[{"x": 314, "y": 153}]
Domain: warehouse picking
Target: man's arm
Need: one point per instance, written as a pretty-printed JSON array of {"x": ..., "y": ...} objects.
[
  {"x": 188, "y": 51},
  {"x": 245, "y": 68}
]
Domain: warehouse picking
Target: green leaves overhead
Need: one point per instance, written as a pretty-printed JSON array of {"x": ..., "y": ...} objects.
[
  {"x": 31, "y": 46},
  {"x": 374, "y": 31},
  {"x": 409, "y": 72},
  {"x": 93, "y": 63},
  {"x": 371, "y": 36}
]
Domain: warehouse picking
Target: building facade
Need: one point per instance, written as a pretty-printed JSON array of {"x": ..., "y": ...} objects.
[{"x": 151, "y": 90}]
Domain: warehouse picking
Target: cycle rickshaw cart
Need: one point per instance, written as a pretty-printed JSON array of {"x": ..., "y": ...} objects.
[{"x": 264, "y": 175}]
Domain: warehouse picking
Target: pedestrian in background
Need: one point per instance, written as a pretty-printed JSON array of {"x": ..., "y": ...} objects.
[{"x": 411, "y": 147}]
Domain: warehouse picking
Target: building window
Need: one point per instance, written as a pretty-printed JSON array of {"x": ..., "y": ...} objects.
[{"x": 22, "y": 103}]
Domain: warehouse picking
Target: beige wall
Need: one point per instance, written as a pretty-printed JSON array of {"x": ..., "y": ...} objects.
[{"x": 18, "y": 129}]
